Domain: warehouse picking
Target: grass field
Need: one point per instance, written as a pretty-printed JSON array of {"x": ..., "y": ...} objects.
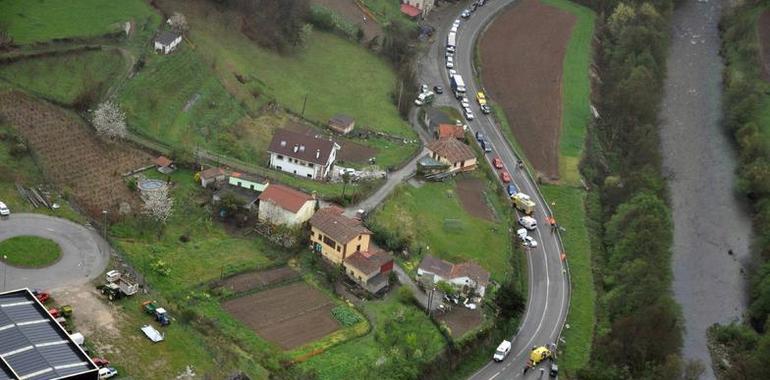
[
  {"x": 64, "y": 78},
  {"x": 432, "y": 216},
  {"x": 42, "y": 20},
  {"x": 336, "y": 76},
  {"x": 386, "y": 10},
  {"x": 358, "y": 358},
  {"x": 576, "y": 90},
  {"x": 29, "y": 251},
  {"x": 568, "y": 206}
]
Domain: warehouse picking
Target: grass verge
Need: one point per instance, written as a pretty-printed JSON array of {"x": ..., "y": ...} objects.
[{"x": 29, "y": 251}]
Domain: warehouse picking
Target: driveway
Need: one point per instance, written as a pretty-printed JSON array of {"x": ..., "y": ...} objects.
[{"x": 84, "y": 253}]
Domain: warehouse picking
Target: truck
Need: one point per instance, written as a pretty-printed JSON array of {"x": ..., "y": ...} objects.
[
  {"x": 159, "y": 313},
  {"x": 451, "y": 40},
  {"x": 425, "y": 98},
  {"x": 502, "y": 351},
  {"x": 523, "y": 203},
  {"x": 458, "y": 85},
  {"x": 118, "y": 285}
]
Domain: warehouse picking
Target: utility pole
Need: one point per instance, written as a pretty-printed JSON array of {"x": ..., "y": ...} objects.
[
  {"x": 304, "y": 103},
  {"x": 5, "y": 270},
  {"x": 430, "y": 299},
  {"x": 400, "y": 90},
  {"x": 104, "y": 222}
]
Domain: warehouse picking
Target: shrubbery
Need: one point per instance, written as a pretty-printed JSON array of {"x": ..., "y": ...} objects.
[{"x": 345, "y": 316}]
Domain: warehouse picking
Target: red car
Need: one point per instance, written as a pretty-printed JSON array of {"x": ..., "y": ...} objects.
[
  {"x": 505, "y": 176},
  {"x": 100, "y": 362},
  {"x": 497, "y": 163}
]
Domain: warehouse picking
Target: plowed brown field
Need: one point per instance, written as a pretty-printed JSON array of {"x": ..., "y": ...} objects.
[{"x": 522, "y": 54}]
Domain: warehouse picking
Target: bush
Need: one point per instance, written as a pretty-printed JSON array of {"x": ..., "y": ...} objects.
[
  {"x": 345, "y": 316},
  {"x": 329, "y": 21}
]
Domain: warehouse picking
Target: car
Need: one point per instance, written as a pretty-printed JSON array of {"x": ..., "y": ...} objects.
[
  {"x": 505, "y": 177},
  {"x": 481, "y": 98},
  {"x": 465, "y": 103},
  {"x": 449, "y": 54},
  {"x": 497, "y": 163},
  {"x": 456, "y": 22},
  {"x": 454, "y": 28},
  {"x": 554, "y": 370},
  {"x": 468, "y": 114},
  {"x": 521, "y": 233},
  {"x": 470, "y": 306},
  {"x": 473, "y": 7},
  {"x": 529, "y": 242},
  {"x": 452, "y": 72},
  {"x": 486, "y": 110},
  {"x": 485, "y": 146},
  {"x": 450, "y": 49},
  {"x": 450, "y": 62},
  {"x": 466, "y": 14},
  {"x": 528, "y": 222},
  {"x": 107, "y": 372},
  {"x": 438, "y": 89},
  {"x": 479, "y": 136},
  {"x": 423, "y": 87},
  {"x": 100, "y": 362},
  {"x": 511, "y": 189},
  {"x": 4, "y": 210},
  {"x": 502, "y": 351}
]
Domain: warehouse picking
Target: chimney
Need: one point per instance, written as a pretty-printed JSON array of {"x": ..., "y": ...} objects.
[
  {"x": 283, "y": 143},
  {"x": 317, "y": 153},
  {"x": 301, "y": 148},
  {"x": 295, "y": 148}
]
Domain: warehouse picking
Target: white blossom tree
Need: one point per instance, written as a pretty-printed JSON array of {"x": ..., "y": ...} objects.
[
  {"x": 158, "y": 205},
  {"x": 178, "y": 22},
  {"x": 109, "y": 120}
]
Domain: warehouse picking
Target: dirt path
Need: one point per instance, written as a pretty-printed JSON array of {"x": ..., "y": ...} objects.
[
  {"x": 763, "y": 28},
  {"x": 699, "y": 160},
  {"x": 522, "y": 54}
]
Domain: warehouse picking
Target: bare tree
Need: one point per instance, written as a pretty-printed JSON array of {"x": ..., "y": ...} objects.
[
  {"x": 109, "y": 120},
  {"x": 178, "y": 22},
  {"x": 158, "y": 205}
]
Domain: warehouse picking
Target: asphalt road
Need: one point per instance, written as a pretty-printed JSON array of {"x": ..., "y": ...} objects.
[
  {"x": 84, "y": 253},
  {"x": 548, "y": 299},
  {"x": 699, "y": 161}
]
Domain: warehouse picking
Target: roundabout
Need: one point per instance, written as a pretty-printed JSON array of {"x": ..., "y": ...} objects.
[{"x": 29, "y": 252}]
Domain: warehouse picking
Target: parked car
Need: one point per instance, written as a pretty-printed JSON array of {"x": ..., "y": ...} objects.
[
  {"x": 456, "y": 22},
  {"x": 450, "y": 62},
  {"x": 449, "y": 54},
  {"x": 4, "y": 210},
  {"x": 464, "y": 102},
  {"x": 481, "y": 98},
  {"x": 529, "y": 242},
  {"x": 512, "y": 189},
  {"x": 107, "y": 372},
  {"x": 497, "y": 163},
  {"x": 466, "y": 14},
  {"x": 486, "y": 110},
  {"x": 468, "y": 114},
  {"x": 423, "y": 87},
  {"x": 452, "y": 73},
  {"x": 486, "y": 146},
  {"x": 554, "y": 370},
  {"x": 454, "y": 28},
  {"x": 450, "y": 49},
  {"x": 505, "y": 177},
  {"x": 438, "y": 89},
  {"x": 528, "y": 222},
  {"x": 479, "y": 136},
  {"x": 502, "y": 351},
  {"x": 100, "y": 362}
]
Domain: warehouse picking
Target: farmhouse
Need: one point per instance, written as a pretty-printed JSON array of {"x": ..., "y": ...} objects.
[
  {"x": 464, "y": 276},
  {"x": 212, "y": 176},
  {"x": 167, "y": 41},
  {"x": 342, "y": 124},
  {"x": 302, "y": 155},
  {"x": 34, "y": 345},
  {"x": 450, "y": 130},
  {"x": 346, "y": 242},
  {"x": 283, "y": 205},
  {"x": 451, "y": 152}
]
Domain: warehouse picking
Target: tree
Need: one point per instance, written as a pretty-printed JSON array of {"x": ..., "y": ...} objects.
[
  {"x": 158, "y": 205},
  {"x": 509, "y": 300},
  {"x": 109, "y": 120},
  {"x": 178, "y": 22}
]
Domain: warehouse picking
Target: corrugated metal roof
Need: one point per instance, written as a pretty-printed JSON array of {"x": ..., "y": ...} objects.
[{"x": 32, "y": 345}]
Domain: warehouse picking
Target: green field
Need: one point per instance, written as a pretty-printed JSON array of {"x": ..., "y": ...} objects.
[
  {"x": 29, "y": 251},
  {"x": 386, "y": 10},
  {"x": 398, "y": 328},
  {"x": 568, "y": 206},
  {"x": 576, "y": 89},
  {"x": 29, "y": 21},
  {"x": 65, "y": 78},
  {"x": 432, "y": 216}
]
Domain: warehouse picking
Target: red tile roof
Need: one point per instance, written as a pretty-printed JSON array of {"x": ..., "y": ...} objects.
[
  {"x": 285, "y": 197},
  {"x": 370, "y": 261},
  {"x": 451, "y": 149},
  {"x": 337, "y": 226},
  {"x": 163, "y": 161},
  {"x": 410, "y": 10},
  {"x": 450, "y": 130},
  {"x": 212, "y": 173},
  {"x": 450, "y": 271}
]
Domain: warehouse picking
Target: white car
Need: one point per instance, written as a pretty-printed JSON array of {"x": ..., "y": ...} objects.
[
  {"x": 450, "y": 62},
  {"x": 529, "y": 242},
  {"x": 456, "y": 22},
  {"x": 4, "y": 210},
  {"x": 450, "y": 49},
  {"x": 466, "y": 14},
  {"x": 468, "y": 114},
  {"x": 423, "y": 88},
  {"x": 452, "y": 72},
  {"x": 528, "y": 222},
  {"x": 465, "y": 103},
  {"x": 502, "y": 351},
  {"x": 107, "y": 372},
  {"x": 453, "y": 29}
]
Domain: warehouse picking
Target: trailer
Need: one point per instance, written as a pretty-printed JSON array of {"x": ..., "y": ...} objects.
[
  {"x": 451, "y": 40},
  {"x": 458, "y": 85},
  {"x": 117, "y": 286}
]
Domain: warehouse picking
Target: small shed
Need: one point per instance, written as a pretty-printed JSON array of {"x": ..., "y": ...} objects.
[
  {"x": 167, "y": 41},
  {"x": 342, "y": 123},
  {"x": 212, "y": 175},
  {"x": 164, "y": 164}
]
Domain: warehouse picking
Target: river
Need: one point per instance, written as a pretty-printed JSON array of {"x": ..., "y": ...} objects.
[{"x": 710, "y": 221}]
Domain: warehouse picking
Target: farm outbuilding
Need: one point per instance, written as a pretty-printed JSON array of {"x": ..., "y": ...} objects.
[
  {"x": 33, "y": 346},
  {"x": 212, "y": 176},
  {"x": 167, "y": 41},
  {"x": 283, "y": 205},
  {"x": 343, "y": 124}
]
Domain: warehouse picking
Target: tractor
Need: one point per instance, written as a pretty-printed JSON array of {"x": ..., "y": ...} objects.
[
  {"x": 64, "y": 311},
  {"x": 159, "y": 313}
]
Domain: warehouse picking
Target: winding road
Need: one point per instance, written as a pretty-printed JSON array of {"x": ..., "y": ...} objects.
[
  {"x": 84, "y": 254},
  {"x": 549, "y": 288}
]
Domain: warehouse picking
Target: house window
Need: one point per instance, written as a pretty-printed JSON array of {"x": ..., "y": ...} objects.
[
  {"x": 456, "y": 163},
  {"x": 278, "y": 167},
  {"x": 329, "y": 242},
  {"x": 359, "y": 237},
  {"x": 339, "y": 248},
  {"x": 239, "y": 183},
  {"x": 295, "y": 172},
  {"x": 311, "y": 165},
  {"x": 312, "y": 233},
  {"x": 251, "y": 187},
  {"x": 280, "y": 157},
  {"x": 309, "y": 175},
  {"x": 462, "y": 164},
  {"x": 358, "y": 248}
]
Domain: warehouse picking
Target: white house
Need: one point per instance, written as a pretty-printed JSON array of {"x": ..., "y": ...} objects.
[
  {"x": 464, "y": 276},
  {"x": 167, "y": 41},
  {"x": 302, "y": 155},
  {"x": 283, "y": 205},
  {"x": 247, "y": 181}
]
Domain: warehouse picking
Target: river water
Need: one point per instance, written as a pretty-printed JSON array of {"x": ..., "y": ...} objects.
[{"x": 699, "y": 161}]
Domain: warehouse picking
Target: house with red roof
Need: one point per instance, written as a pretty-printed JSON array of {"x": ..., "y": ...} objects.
[
  {"x": 466, "y": 277},
  {"x": 280, "y": 204}
]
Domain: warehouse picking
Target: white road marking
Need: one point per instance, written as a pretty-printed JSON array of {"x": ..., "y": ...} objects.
[{"x": 495, "y": 375}]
